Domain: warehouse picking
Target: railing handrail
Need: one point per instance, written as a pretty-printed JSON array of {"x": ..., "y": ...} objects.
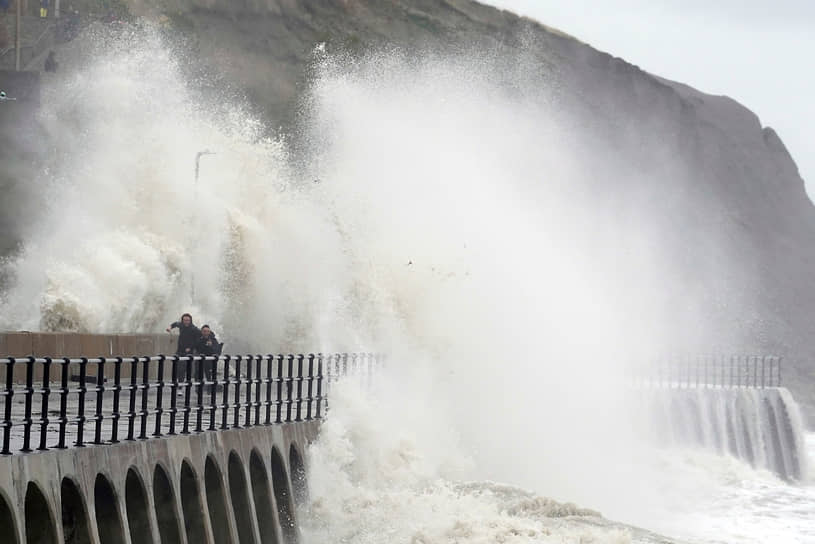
[
  {"x": 705, "y": 371},
  {"x": 260, "y": 395}
]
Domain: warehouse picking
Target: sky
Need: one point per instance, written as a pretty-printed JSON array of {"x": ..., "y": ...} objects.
[{"x": 759, "y": 52}]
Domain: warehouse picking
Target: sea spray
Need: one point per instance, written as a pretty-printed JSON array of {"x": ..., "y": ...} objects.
[{"x": 369, "y": 482}]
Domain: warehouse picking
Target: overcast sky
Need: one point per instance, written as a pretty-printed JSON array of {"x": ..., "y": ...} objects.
[{"x": 760, "y": 52}]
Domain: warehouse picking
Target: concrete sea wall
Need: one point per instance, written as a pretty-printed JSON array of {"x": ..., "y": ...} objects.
[{"x": 238, "y": 485}]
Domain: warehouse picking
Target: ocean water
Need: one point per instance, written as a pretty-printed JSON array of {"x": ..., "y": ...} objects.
[{"x": 444, "y": 210}]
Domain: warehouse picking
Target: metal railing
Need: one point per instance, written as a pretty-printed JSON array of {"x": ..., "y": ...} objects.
[
  {"x": 737, "y": 371},
  {"x": 136, "y": 398},
  {"x": 38, "y": 35}
]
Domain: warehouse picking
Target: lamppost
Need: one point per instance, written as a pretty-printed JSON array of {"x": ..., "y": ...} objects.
[
  {"x": 197, "y": 171},
  {"x": 17, "y": 37},
  {"x": 198, "y": 163}
]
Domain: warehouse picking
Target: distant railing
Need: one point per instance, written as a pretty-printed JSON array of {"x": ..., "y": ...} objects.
[
  {"x": 737, "y": 371},
  {"x": 135, "y": 398}
]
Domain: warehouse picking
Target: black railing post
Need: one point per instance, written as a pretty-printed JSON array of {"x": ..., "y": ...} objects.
[
  {"x": 80, "y": 418},
  {"x": 63, "y": 402},
  {"x": 100, "y": 398},
  {"x": 310, "y": 397},
  {"x": 133, "y": 388},
  {"x": 185, "y": 428},
  {"x": 247, "y": 421},
  {"x": 763, "y": 361},
  {"x": 199, "y": 391},
  {"x": 225, "y": 405},
  {"x": 213, "y": 394},
  {"x": 755, "y": 371},
  {"x": 269, "y": 380},
  {"x": 9, "y": 394},
  {"x": 159, "y": 396},
  {"x": 299, "y": 378},
  {"x": 46, "y": 392},
  {"x": 173, "y": 394},
  {"x": 29, "y": 394},
  {"x": 117, "y": 391},
  {"x": 344, "y": 365},
  {"x": 279, "y": 401},
  {"x": 236, "y": 407},
  {"x": 258, "y": 383},
  {"x": 317, "y": 412},
  {"x": 145, "y": 391},
  {"x": 289, "y": 386}
]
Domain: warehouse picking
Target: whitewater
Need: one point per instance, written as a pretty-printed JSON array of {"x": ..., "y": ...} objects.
[{"x": 441, "y": 209}]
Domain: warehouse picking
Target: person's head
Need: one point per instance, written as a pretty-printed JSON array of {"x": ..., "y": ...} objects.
[
  {"x": 205, "y": 331},
  {"x": 186, "y": 320}
]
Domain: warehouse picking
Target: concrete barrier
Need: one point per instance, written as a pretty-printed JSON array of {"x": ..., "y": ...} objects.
[{"x": 50, "y": 344}]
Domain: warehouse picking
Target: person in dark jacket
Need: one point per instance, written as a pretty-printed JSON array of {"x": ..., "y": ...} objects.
[
  {"x": 188, "y": 335},
  {"x": 207, "y": 344}
]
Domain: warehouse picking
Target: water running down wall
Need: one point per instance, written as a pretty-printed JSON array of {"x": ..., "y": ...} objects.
[{"x": 760, "y": 426}]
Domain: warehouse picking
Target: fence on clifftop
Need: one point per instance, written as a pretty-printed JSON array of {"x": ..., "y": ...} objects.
[{"x": 136, "y": 398}]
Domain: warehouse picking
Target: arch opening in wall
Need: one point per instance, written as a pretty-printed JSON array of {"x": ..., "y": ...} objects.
[
  {"x": 240, "y": 500},
  {"x": 299, "y": 483},
  {"x": 263, "y": 499},
  {"x": 191, "y": 505},
  {"x": 282, "y": 493},
  {"x": 216, "y": 502},
  {"x": 136, "y": 506},
  {"x": 164, "y": 500},
  {"x": 7, "y": 525},
  {"x": 74, "y": 514},
  {"x": 39, "y": 524},
  {"x": 106, "y": 508}
]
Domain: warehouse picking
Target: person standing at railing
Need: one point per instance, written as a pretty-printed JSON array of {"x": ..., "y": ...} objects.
[
  {"x": 188, "y": 335},
  {"x": 208, "y": 345},
  {"x": 43, "y": 9}
]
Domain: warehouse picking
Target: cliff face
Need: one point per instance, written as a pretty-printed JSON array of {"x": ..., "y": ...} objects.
[{"x": 735, "y": 223}]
